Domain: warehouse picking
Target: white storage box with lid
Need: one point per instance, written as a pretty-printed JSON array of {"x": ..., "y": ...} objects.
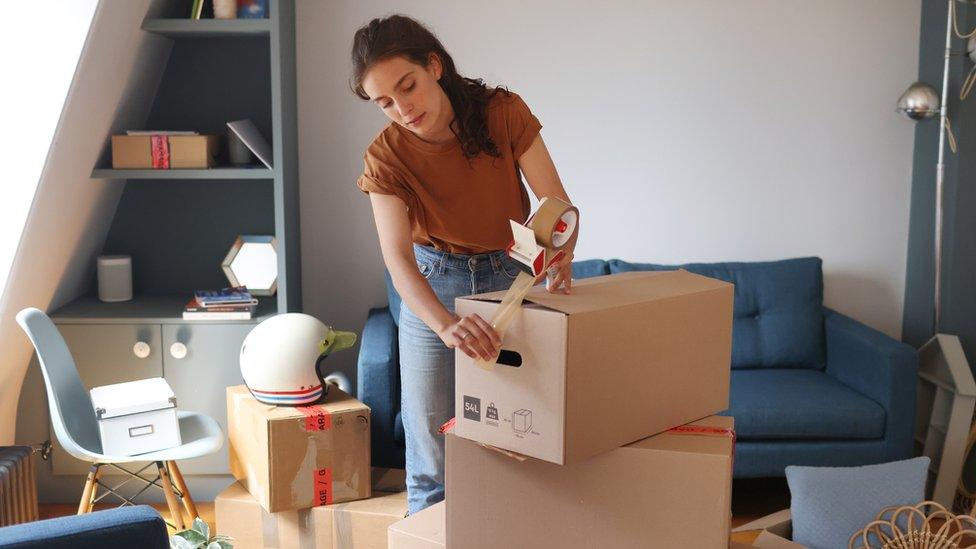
[{"x": 136, "y": 417}]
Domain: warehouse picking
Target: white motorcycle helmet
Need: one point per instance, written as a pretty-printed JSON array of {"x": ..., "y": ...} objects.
[{"x": 279, "y": 358}]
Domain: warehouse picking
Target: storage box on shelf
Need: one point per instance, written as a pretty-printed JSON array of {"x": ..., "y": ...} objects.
[{"x": 182, "y": 151}]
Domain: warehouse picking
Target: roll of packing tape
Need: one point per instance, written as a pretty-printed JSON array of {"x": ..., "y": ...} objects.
[{"x": 554, "y": 224}]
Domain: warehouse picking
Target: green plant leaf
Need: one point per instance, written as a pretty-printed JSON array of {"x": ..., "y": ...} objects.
[
  {"x": 194, "y": 537},
  {"x": 179, "y": 542},
  {"x": 201, "y": 526}
]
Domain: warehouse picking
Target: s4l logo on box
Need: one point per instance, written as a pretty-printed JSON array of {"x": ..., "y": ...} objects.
[{"x": 472, "y": 408}]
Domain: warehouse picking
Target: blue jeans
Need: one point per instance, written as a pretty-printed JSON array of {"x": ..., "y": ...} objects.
[{"x": 427, "y": 365}]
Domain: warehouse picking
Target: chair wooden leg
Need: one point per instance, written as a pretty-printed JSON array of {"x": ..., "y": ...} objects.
[
  {"x": 84, "y": 505},
  {"x": 174, "y": 507},
  {"x": 94, "y": 492},
  {"x": 191, "y": 508}
]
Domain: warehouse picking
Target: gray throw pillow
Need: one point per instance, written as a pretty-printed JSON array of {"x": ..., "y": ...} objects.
[{"x": 829, "y": 504}]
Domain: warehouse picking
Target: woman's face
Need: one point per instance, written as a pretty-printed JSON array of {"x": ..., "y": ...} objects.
[{"x": 409, "y": 95}]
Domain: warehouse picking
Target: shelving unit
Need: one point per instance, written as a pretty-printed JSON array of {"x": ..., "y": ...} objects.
[
  {"x": 208, "y": 28},
  {"x": 178, "y": 224},
  {"x": 213, "y": 173},
  {"x": 945, "y": 402},
  {"x": 179, "y": 227},
  {"x": 145, "y": 310}
]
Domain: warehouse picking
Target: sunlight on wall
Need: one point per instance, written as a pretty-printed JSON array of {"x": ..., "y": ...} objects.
[{"x": 41, "y": 46}]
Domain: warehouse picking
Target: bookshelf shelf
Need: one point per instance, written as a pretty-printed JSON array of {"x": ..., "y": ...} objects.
[
  {"x": 213, "y": 173},
  {"x": 200, "y": 28},
  {"x": 146, "y": 309}
]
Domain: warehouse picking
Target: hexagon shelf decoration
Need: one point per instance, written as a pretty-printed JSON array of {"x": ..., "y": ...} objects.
[{"x": 253, "y": 262}]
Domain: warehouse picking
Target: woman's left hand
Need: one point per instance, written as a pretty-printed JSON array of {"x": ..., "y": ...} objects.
[{"x": 559, "y": 275}]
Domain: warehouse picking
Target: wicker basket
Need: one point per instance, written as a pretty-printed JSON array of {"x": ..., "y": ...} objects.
[{"x": 927, "y": 525}]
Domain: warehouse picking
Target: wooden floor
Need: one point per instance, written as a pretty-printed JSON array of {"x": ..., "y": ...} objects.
[{"x": 751, "y": 499}]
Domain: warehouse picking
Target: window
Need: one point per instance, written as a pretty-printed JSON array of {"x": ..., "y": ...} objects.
[{"x": 40, "y": 48}]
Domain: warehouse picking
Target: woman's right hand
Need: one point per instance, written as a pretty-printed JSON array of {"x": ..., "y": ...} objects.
[{"x": 473, "y": 335}]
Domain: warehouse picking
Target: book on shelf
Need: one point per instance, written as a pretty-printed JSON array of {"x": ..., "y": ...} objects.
[
  {"x": 161, "y": 132},
  {"x": 194, "y": 306},
  {"x": 188, "y": 315},
  {"x": 193, "y": 311},
  {"x": 196, "y": 9},
  {"x": 225, "y": 296}
]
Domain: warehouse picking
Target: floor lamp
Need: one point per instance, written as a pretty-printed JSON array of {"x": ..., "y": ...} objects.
[{"x": 947, "y": 392}]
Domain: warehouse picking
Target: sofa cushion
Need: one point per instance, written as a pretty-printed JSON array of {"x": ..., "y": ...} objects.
[
  {"x": 588, "y": 268},
  {"x": 829, "y": 504},
  {"x": 777, "y": 317},
  {"x": 797, "y": 404}
]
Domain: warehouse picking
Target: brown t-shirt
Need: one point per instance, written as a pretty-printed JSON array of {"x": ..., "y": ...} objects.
[{"x": 457, "y": 205}]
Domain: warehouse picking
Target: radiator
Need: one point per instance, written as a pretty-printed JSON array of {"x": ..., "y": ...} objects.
[{"x": 18, "y": 485}]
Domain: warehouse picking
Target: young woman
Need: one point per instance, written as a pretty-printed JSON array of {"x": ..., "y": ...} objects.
[{"x": 443, "y": 180}]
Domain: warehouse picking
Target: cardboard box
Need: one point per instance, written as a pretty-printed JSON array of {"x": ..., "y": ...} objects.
[
  {"x": 136, "y": 417},
  {"x": 361, "y": 524},
  {"x": 185, "y": 151},
  {"x": 424, "y": 530},
  {"x": 670, "y": 490},
  {"x": 297, "y": 457},
  {"x": 773, "y": 531},
  {"x": 623, "y": 357},
  {"x": 240, "y": 516}
]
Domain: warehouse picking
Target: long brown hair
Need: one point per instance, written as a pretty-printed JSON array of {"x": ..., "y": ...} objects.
[{"x": 399, "y": 35}]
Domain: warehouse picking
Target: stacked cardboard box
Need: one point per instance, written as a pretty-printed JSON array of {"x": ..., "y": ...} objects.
[
  {"x": 773, "y": 531},
  {"x": 304, "y": 476},
  {"x": 298, "y": 457},
  {"x": 590, "y": 389},
  {"x": 360, "y": 524},
  {"x": 423, "y": 530}
]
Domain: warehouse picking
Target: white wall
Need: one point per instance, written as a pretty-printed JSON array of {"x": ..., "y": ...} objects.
[
  {"x": 46, "y": 64},
  {"x": 42, "y": 57},
  {"x": 685, "y": 131},
  {"x": 69, "y": 212}
]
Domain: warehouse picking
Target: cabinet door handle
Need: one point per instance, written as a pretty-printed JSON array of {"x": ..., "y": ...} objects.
[
  {"x": 177, "y": 350},
  {"x": 142, "y": 349}
]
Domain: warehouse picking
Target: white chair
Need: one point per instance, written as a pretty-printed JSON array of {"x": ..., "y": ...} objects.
[{"x": 76, "y": 427}]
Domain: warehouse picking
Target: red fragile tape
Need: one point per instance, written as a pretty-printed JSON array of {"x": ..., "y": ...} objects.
[
  {"x": 448, "y": 425},
  {"x": 316, "y": 419},
  {"x": 702, "y": 430},
  {"x": 160, "y": 151},
  {"x": 322, "y": 486},
  {"x": 707, "y": 431}
]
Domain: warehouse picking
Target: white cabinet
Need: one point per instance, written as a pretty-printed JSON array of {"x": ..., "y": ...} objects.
[{"x": 199, "y": 360}]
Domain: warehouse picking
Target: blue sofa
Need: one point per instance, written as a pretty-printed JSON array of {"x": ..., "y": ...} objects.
[
  {"x": 809, "y": 385},
  {"x": 138, "y": 526}
]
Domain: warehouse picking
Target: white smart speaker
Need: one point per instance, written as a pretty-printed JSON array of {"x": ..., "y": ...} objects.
[{"x": 114, "y": 277}]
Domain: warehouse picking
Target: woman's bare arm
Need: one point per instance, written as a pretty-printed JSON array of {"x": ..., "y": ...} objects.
[
  {"x": 393, "y": 228},
  {"x": 540, "y": 173}
]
